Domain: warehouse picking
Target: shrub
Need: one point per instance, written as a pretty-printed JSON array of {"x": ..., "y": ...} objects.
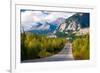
[
  {"x": 38, "y": 46},
  {"x": 80, "y": 47},
  {"x": 44, "y": 53}
]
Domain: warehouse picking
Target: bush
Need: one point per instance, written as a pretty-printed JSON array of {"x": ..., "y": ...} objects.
[
  {"x": 44, "y": 53},
  {"x": 39, "y": 46},
  {"x": 80, "y": 47}
]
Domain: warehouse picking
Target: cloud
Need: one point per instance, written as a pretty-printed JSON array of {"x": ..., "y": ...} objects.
[
  {"x": 54, "y": 15},
  {"x": 30, "y": 18}
]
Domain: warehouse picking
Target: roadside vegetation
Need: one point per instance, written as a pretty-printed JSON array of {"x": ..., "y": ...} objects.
[
  {"x": 80, "y": 47},
  {"x": 38, "y": 46}
]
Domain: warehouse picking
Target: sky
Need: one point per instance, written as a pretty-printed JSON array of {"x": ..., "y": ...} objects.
[{"x": 29, "y": 18}]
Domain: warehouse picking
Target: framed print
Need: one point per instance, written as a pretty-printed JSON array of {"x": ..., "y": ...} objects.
[{"x": 51, "y": 37}]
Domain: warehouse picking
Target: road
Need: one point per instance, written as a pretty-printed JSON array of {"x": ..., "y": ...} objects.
[{"x": 64, "y": 55}]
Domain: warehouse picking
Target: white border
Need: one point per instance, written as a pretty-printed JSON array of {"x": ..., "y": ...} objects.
[{"x": 16, "y": 66}]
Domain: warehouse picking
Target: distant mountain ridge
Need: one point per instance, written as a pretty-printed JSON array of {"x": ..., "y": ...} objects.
[
  {"x": 82, "y": 18},
  {"x": 73, "y": 23},
  {"x": 52, "y": 26}
]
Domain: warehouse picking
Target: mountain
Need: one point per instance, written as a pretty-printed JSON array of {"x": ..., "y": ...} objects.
[
  {"x": 45, "y": 27},
  {"x": 75, "y": 22},
  {"x": 81, "y": 18},
  {"x": 73, "y": 25}
]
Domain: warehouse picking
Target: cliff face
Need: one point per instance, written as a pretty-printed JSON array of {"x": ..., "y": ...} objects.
[{"x": 74, "y": 23}]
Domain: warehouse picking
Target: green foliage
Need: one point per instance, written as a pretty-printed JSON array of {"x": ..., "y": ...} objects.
[
  {"x": 61, "y": 34},
  {"x": 81, "y": 47},
  {"x": 44, "y": 53},
  {"x": 37, "y": 46}
]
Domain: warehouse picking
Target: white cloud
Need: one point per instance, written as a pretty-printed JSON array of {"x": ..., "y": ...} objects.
[
  {"x": 54, "y": 15},
  {"x": 29, "y": 18}
]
